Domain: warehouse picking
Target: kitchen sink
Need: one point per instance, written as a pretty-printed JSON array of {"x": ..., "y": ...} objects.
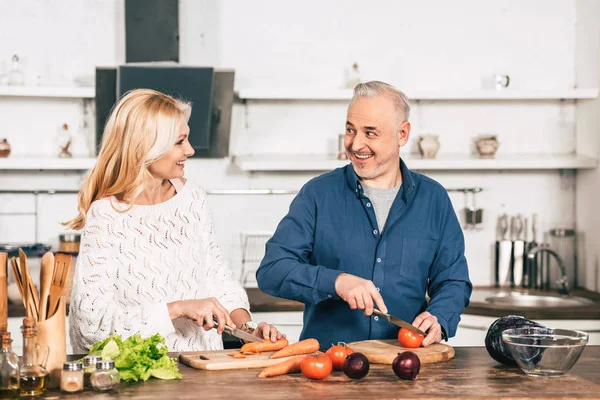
[{"x": 537, "y": 300}]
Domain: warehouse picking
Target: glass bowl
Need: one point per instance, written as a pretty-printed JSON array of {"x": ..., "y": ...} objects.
[{"x": 545, "y": 351}]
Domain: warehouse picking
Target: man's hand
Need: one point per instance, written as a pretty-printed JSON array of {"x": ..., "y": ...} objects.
[
  {"x": 359, "y": 293},
  {"x": 429, "y": 323}
]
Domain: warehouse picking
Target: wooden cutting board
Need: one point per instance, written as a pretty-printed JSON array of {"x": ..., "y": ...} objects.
[
  {"x": 219, "y": 360},
  {"x": 384, "y": 351}
]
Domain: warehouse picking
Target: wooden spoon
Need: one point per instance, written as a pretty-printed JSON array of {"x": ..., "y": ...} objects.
[
  {"x": 33, "y": 297},
  {"x": 46, "y": 272}
]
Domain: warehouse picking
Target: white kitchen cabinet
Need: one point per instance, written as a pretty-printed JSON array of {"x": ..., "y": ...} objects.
[
  {"x": 289, "y": 323},
  {"x": 472, "y": 329}
]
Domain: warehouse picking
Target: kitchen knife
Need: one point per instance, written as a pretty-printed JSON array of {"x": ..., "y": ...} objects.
[
  {"x": 397, "y": 321},
  {"x": 238, "y": 333}
]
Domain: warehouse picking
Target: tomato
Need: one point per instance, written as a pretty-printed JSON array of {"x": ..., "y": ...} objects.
[
  {"x": 316, "y": 367},
  {"x": 338, "y": 355},
  {"x": 409, "y": 339}
]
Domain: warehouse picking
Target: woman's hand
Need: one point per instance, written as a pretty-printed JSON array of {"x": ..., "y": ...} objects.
[
  {"x": 202, "y": 311},
  {"x": 267, "y": 332}
]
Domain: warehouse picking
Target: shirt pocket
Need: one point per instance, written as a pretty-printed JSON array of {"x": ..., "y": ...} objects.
[{"x": 417, "y": 256}]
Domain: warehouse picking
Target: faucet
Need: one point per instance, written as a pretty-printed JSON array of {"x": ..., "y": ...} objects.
[{"x": 563, "y": 283}]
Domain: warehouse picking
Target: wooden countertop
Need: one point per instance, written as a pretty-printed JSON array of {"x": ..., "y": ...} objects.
[
  {"x": 471, "y": 374},
  {"x": 261, "y": 302}
]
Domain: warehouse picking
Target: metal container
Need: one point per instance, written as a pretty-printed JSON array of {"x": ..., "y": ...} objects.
[{"x": 564, "y": 242}]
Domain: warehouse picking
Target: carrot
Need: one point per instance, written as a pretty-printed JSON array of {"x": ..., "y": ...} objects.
[
  {"x": 236, "y": 355},
  {"x": 305, "y": 346},
  {"x": 267, "y": 345},
  {"x": 285, "y": 367}
]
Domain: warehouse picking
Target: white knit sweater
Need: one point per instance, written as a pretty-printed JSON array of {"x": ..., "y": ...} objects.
[{"x": 132, "y": 264}]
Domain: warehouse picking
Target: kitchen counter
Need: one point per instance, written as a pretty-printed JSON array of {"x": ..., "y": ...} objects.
[
  {"x": 261, "y": 302},
  {"x": 470, "y": 374}
]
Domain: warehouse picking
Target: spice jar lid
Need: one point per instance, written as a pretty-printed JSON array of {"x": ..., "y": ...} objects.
[
  {"x": 72, "y": 366},
  {"x": 69, "y": 237},
  {"x": 105, "y": 364},
  {"x": 91, "y": 360}
]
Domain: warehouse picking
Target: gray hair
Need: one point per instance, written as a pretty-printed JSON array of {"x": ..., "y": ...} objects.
[{"x": 377, "y": 88}]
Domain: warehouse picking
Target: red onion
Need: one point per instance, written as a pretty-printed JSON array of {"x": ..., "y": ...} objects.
[
  {"x": 407, "y": 365},
  {"x": 356, "y": 366}
]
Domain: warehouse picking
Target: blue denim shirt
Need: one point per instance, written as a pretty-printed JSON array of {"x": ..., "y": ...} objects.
[{"x": 331, "y": 228}]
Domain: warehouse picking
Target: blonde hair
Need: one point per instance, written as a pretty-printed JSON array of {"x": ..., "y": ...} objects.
[
  {"x": 143, "y": 126},
  {"x": 378, "y": 88}
]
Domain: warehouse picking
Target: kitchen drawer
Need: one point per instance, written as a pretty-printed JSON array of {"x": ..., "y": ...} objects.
[
  {"x": 472, "y": 329},
  {"x": 289, "y": 323}
]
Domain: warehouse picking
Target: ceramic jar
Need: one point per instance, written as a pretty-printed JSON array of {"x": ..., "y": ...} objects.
[
  {"x": 429, "y": 145},
  {"x": 486, "y": 145},
  {"x": 4, "y": 148}
]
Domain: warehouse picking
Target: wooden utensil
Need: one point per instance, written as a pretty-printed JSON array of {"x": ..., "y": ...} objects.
[
  {"x": 17, "y": 274},
  {"x": 385, "y": 351},
  {"x": 3, "y": 293},
  {"x": 33, "y": 297},
  {"x": 62, "y": 263},
  {"x": 46, "y": 272},
  {"x": 220, "y": 360}
]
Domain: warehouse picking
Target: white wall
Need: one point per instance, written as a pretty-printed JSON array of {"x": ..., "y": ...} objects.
[{"x": 415, "y": 45}]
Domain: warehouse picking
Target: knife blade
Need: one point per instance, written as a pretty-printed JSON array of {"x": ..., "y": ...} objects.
[
  {"x": 397, "y": 321},
  {"x": 238, "y": 333}
]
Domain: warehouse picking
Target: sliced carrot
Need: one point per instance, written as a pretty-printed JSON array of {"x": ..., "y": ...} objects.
[
  {"x": 267, "y": 345},
  {"x": 305, "y": 346},
  {"x": 236, "y": 355},
  {"x": 285, "y": 367}
]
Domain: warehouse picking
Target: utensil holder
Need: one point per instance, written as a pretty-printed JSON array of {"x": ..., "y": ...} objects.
[{"x": 53, "y": 333}]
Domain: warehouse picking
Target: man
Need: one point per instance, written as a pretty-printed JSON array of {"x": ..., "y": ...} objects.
[{"x": 371, "y": 234}]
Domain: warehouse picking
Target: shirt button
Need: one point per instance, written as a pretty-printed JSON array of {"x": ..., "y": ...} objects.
[
  {"x": 378, "y": 289},
  {"x": 359, "y": 187},
  {"x": 379, "y": 260},
  {"x": 375, "y": 232},
  {"x": 329, "y": 296},
  {"x": 376, "y": 318},
  {"x": 368, "y": 204}
]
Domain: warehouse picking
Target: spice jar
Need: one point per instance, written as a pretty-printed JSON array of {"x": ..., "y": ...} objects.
[
  {"x": 69, "y": 243},
  {"x": 89, "y": 366},
  {"x": 105, "y": 377},
  {"x": 71, "y": 378},
  {"x": 4, "y": 148}
]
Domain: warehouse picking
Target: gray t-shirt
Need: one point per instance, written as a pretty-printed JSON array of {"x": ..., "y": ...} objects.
[{"x": 382, "y": 200}]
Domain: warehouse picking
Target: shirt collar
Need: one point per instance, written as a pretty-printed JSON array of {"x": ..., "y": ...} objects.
[{"x": 408, "y": 183}]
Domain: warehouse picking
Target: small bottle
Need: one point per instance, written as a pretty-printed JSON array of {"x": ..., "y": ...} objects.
[
  {"x": 89, "y": 366},
  {"x": 353, "y": 77},
  {"x": 33, "y": 376},
  {"x": 16, "y": 72},
  {"x": 71, "y": 377},
  {"x": 64, "y": 142},
  {"x": 9, "y": 369},
  {"x": 105, "y": 377},
  {"x": 4, "y": 148}
]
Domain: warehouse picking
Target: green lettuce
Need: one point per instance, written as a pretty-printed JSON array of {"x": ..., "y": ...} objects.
[{"x": 137, "y": 358}]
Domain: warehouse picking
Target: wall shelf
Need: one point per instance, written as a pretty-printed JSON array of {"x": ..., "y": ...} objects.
[
  {"x": 314, "y": 163},
  {"x": 346, "y": 94},
  {"x": 46, "y": 163},
  {"x": 48, "y": 91}
]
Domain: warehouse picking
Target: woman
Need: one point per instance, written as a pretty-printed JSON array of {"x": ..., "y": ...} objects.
[{"x": 149, "y": 261}]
